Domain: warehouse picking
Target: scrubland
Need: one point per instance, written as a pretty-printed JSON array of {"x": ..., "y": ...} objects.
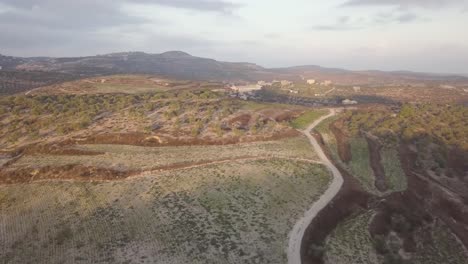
[{"x": 237, "y": 212}]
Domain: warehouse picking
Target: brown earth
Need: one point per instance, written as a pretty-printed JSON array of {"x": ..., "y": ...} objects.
[
  {"x": 375, "y": 162},
  {"x": 350, "y": 199},
  {"x": 342, "y": 140},
  {"x": 144, "y": 139},
  {"x": 88, "y": 173},
  {"x": 440, "y": 201},
  {"x": 62, "y": 148},
  {"x": 240, "y": 122},
  {"x": 281, "y": 116},
  {"x": 72, "y": 172},
  {"x": 425, "y": 201}
]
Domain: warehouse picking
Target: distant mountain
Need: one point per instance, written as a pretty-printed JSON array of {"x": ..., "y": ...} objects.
[
  {"x": 175, "y": 64},
  {"x": 181, "y": 65},
  {"x": 372, "y": 77}
]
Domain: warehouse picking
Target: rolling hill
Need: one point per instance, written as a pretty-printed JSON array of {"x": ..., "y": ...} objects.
[{"x": 181, "y": 65}]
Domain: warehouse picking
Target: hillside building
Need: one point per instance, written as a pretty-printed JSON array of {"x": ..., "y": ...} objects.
[
  {"x": 349, "y": 102},
  {"x": 286, "y": 83},
  {"x": 246, "y": 88}
]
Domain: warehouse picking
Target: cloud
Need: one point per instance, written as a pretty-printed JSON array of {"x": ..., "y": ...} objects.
[
  {"x": 50, "y": 27},
  {"x": 342, "y": 23},
  {"x": 272, "y": 35},
  {"x": 407, "y": 3},
  {"x": 197, "y": 5},
  {"x": 407, "y": 17},
  {"x": 396, "y": 18},
  {"x": 335, "y": 27},
  {"x": 345, "y": 23}
]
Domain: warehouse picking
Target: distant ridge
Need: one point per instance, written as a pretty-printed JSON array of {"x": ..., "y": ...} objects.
[{"x": 182, "y": 65}]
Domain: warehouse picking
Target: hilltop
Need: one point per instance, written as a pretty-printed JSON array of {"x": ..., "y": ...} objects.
[{"x": 181, "y": 65}]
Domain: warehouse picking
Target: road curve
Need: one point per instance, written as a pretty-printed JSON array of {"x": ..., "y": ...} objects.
[{"x": 296, "y": 235}]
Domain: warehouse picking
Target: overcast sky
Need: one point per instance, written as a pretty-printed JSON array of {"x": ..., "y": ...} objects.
[{"x": 420, "y": 35}]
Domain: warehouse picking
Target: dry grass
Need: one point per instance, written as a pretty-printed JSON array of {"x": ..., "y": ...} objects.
[
  {"x": 351, "y": 242},
  {"x": 123, "y": 157},
  {"x": 232, "y": 213}
]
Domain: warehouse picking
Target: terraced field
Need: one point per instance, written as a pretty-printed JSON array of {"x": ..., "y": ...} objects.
[
  {"x": 360, "y": 166},
  {"x": 444, "y": 247},
  {"x": 394, "y": 173},
  {"x": 351, "y": 242},
  {"x": 237, "y": 212},
  {"x": 124, "y": 157}
]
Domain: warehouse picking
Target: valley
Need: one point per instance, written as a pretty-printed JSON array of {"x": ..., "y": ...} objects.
[{"x": 147, "y": 168}]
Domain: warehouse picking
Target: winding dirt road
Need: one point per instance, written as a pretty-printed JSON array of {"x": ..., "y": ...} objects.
[{"x": 296, "y": 235}]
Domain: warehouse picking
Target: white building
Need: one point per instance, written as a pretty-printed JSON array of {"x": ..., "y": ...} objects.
[
  {"x": 264, "y": 83},
  {"x": 311, "y": 81},
  {"x": 349, "y": 102},
  {"x": 326, "y": 83},
  {"x": 357, "y": 88},
  {"x": 446, "y": 86},
  {"x": 246, "y": 88}
]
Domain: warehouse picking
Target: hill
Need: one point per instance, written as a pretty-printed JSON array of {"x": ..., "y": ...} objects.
[
  {"x": 181, "y": 65},
  {"x": 174, "y": 64}
]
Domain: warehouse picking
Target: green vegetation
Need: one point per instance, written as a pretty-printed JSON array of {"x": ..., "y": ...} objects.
[
  {"x": 360, "y": 166},
  {"x": 123, "y": 157},
  {"x": 203, "y": 113},
  {"x": 445, "y": 248},
  {"x": 445, "y": 123},
  {"x": 324, "y": 129},
  {"x": 238, "y": 212},
  {"x": 394, "y": 174},
  {"x": 351, "y": 242},
  {"x": 307, "y": 118},
  {"x": 434, "y": 243}
]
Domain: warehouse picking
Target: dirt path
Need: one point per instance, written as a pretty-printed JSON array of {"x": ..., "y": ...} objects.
[
  {"x": 170, "y": 168},
  {"x": 296, "y": 235}
]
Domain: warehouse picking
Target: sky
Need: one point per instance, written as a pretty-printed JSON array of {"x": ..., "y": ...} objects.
[{"x": 417, "y": 35}]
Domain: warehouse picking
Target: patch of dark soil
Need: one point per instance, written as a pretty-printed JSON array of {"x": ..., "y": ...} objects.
[
  {"x": 286, "y": 116},
  {"x": 401, "y": 213},
  {"x": 375, "y": 162},
  {"x": 68, "y": 172},
  {"x": 240, "y": 122},
  {"x": 409, "y": 214},
  {"x": 457, "y": 160},
  {"x": 350, "y": 200},
  {"x": 142, "y": 139},
  {"x": 441, "y": 201},
  {"x": 62, "y": 148},
  {"x": 342, "y": 140}
]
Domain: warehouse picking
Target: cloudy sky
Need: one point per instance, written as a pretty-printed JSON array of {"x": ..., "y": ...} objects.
[{"x": 420, "y": 35}]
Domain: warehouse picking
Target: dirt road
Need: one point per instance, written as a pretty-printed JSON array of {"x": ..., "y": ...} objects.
[{"x": 296, "y": 235}]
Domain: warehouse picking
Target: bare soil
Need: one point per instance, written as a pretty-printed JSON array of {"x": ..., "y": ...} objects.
[
  {"x": 350, "y": 199},
  {"x": 375, "y": 162},
  {"x": 68, "y": 172},
  {"x": 342, "y": 140},
  {"x": 424, "y": 202},
  {"x": 144, "y": 139},
  {"x": 444, "y": 203}
]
